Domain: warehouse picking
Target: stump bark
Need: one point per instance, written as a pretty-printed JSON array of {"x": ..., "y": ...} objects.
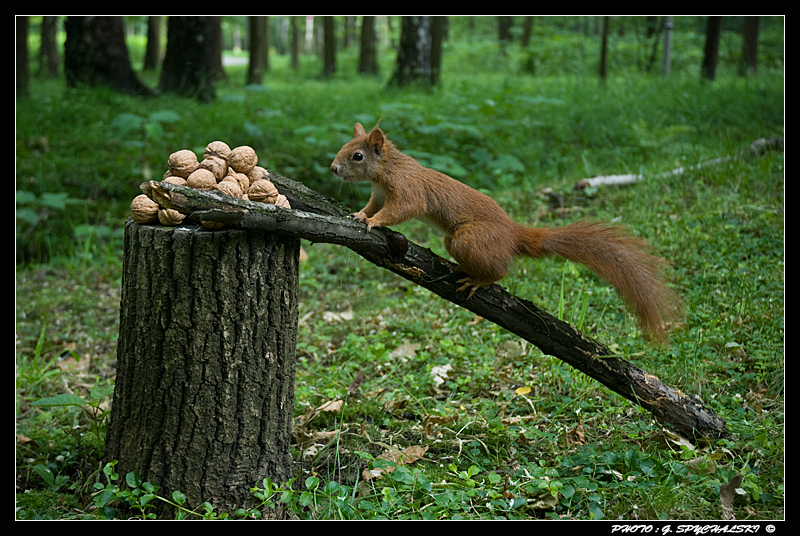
[{"x": 206, "y": 361}]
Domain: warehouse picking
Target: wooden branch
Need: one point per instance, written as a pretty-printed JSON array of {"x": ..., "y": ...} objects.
[
  {"x": 756, "y": 148},
  {"x": 320, "y": 219}
]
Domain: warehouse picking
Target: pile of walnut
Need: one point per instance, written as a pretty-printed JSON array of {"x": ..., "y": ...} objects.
[{"x": 231, "y": 171}]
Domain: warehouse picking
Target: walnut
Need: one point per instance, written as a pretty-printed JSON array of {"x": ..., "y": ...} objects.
[
  {"x": 262, "y": 191},
  {"x": 281, "y": 201},
  {"x": 230, "y": 187},
  {"x": 182, "y": 163},
  {"x": 202, "y": 179},
  {"x": 257, "y": 173},
  {"x": 169, "y": 216},
  {"x": 144, "y": 209},
  {"x": 218, "y": 149},
  {"x": 240, "y": 179},
  {"x": 243, "y": 159},
  {"x": 172, "y": 179},
  {"x": 216, "y": 165}
]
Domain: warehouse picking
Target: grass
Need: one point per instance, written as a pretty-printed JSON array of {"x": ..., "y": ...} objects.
[{"x": 509, "y": 432}]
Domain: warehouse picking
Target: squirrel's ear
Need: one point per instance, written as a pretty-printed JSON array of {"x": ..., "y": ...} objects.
[
  {"x": 358, "y": 130},
  {"x": 375, "y": 140}
]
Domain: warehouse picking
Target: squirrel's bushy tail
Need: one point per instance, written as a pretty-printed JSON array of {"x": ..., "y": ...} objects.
[{"x": 619, "y": 259}]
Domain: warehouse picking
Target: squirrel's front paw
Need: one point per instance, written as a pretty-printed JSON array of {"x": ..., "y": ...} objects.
[{"x": 360, "y": 217}]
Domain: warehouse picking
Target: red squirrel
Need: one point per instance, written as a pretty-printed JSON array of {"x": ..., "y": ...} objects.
[{"x": 483, "y": 239}]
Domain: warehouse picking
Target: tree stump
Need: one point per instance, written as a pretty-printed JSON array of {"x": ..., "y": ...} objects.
[{"x": 206, "y": 361}]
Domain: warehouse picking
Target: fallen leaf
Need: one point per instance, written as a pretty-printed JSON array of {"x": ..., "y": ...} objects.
[
  {"x": 331, "y": 405},
  {"x": 395, "y": 406},
  {"x": 353, "y": 389},
  {"x": 312, "y": 442},
  {"x": 320, "y": 436},
  {"x": 439, "y": 374},
  {"x": 727, "y": 492},
  {"x": 577, "y": 435},
  {"x": 513, "y": 350},
  {"x": 440, "y": 419},
  {"x": 543, "y": 501},
  {"x": 678, "y": 439},
  {"x": 334, "y": 318},
  {"x": 400, "y": 457},
  {"x": 70, "y": 360},
  {"x": 703, "y": 464},
  {"x": 404, "y": 351}
]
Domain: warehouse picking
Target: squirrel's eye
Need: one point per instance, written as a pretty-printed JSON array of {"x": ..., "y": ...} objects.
[{"x": 358, "y": 157}]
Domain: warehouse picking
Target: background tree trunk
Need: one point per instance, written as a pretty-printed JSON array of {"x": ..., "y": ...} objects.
[
  {"x": 95, "y": 54},
  {"x": 666, "y": 58},
  {"x": 206, "y": 361},
  {"x": 414, "y": 53},
  {"x": 49, "y": 60},
  {"x": 188, "y": 66},
  {"x": 152, "y": 54},
  {"x": 749, "y": 61},
  {"x": 23, "y": 70},
  {"x": 527, "y": 31},
  {"x": 708, "y": 68},
  {"x": 328, "y": 45},
  {"x": 259, "y": 49},
  {"x": 439, "y": 27},
  {"x": 604, "y": 50},
  {"x": 217, "y": 45},
  {"x": 349, "y": 31},
  {"x": 504, "y": 25},
  {"x": 368, "y": 55},
  {"x": 294, "y": 43}
]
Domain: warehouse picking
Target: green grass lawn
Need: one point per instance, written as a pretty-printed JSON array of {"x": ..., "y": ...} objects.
[{"x": 506, "y": 432}]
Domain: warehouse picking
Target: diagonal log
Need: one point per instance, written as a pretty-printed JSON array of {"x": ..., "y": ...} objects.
[{"x": 320, "y": 219}]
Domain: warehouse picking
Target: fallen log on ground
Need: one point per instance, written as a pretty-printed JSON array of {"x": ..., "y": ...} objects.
[{"x": 756, "y": 148}]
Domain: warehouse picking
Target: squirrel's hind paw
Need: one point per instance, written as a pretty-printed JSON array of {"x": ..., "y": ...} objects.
[{"x": 468, "y": 283}]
